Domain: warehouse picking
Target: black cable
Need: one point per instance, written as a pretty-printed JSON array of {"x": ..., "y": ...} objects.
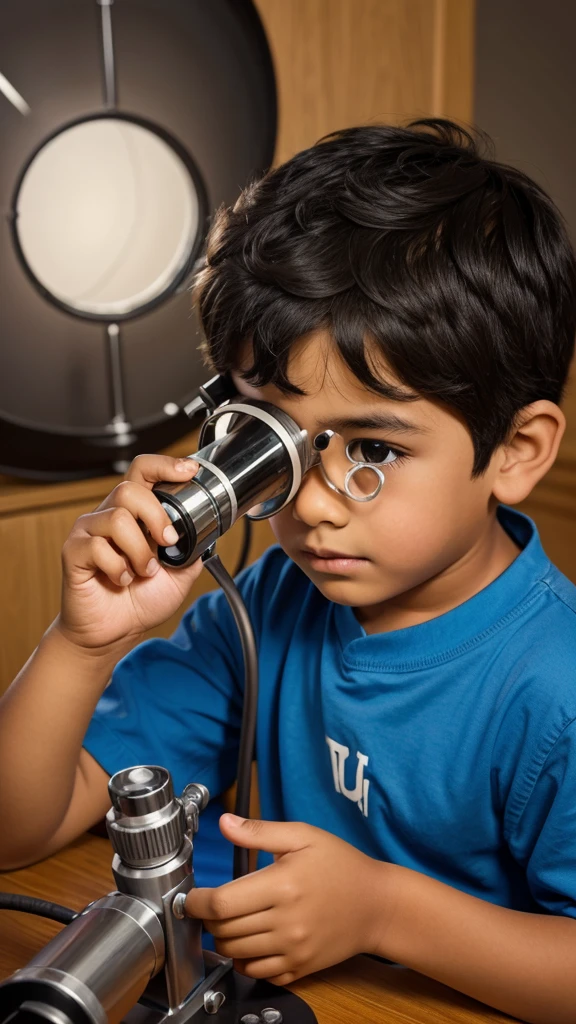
[
  {"x": 32, "y": 905},
  {"x": 245, "y": 549},
  {"x": 248, "y": 727}
]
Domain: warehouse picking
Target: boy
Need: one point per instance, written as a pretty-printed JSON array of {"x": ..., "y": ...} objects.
[{"x": 417, "y": 716}]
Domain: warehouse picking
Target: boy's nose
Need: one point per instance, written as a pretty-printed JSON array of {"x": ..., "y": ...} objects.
[{"x": 316, "y": 503}]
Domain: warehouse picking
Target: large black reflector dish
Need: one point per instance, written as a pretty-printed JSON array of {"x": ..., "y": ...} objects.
[{"x": 124, "y": 126}]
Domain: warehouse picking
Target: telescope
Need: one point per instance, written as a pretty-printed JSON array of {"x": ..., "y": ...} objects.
[{"x": 134, "y": 956}]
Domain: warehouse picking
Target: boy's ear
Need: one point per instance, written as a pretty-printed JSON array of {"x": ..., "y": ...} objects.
[{"x": 529, "y": 452}]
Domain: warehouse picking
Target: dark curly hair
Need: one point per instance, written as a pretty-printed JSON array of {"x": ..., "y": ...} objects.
[{"x": 458, "y": 268}]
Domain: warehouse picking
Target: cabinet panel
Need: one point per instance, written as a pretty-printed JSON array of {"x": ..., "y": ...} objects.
[{"x": 346, "y": 62}]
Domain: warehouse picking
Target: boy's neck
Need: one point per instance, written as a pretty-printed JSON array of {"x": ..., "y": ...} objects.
[{"x": 489, "y": 557}]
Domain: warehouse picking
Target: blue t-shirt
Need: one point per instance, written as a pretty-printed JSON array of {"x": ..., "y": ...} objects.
[{"x": 448, "y": 747}]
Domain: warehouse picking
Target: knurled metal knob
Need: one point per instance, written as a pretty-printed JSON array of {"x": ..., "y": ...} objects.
[{"x": 146, "y": 824}]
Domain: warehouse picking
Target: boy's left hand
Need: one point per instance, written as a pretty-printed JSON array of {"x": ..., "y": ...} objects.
[{"x": 318, "y": 904}]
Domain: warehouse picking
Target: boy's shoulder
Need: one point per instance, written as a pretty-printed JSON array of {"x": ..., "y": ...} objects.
[
  {"x": 539, "y": 646},
  {"x": 535, "y": 677},
  {"x": 536, "y": 723}
]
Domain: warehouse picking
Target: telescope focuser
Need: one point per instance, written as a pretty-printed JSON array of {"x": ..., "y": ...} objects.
[{"x": 147, "y": 824}]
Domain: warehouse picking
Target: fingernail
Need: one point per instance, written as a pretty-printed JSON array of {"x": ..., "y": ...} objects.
[
  {"x": 186, "y": 465},
  {"x": 126, "y": 579},
  {"x": 152, "y": 567},
  {"x": 234, "y": 819},
  {"x": 170, "y": 535}
]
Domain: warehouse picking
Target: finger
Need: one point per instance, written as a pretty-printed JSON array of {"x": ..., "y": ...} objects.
[
  {"x": 143, "y": 505},
  {"x": 96, "y": 553},
  {"x": 249, "y": 895},
  {"x": 234, "y": 927},
  {"x": 152, "y": 469},
  {"x": 117, "y": 525},
  {"x": 268, "y": 967},
  {"x": 272, "y": 836},
  {"x": 285, "y": 979},
  {"x": 249, "y": 946}
]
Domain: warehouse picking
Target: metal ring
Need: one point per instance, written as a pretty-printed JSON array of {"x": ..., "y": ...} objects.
[
  {"x": 354, "y": 469},
  {"x": 217, "y": 472},
  {"x": 279, "y": 429}
]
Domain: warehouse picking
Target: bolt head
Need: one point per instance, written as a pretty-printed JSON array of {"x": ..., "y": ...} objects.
[{"x": 178, "y": 905}]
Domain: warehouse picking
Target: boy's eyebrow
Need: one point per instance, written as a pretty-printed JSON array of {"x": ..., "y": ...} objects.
[{"x": 378, "y": 421}]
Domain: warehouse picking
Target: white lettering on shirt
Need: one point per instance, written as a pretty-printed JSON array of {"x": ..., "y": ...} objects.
[{"x": 339, "y": 755}]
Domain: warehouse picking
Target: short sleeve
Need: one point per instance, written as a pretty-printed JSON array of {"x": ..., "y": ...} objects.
[
  {"x": 544, "y": 838},
  {"x": 178, "y": 702}
]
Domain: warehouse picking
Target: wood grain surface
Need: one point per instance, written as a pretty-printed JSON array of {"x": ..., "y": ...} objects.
[
  {"x": 359, "y": 991},
  {"x": 347, "y": 62}
]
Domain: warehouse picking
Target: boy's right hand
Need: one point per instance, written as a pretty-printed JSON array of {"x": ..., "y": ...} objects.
[{"x": 114, "y": 588}]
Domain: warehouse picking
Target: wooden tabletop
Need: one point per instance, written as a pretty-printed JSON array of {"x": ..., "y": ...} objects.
[{"x": 359, "y": 991}]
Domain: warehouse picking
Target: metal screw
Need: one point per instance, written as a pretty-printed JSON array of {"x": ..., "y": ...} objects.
[
  {"x": 250, "y": 1018},
  {"x": 213, "y": 1001},
  {"x": 271, "y": 1016},
  {"x": 178, "y": 905}
]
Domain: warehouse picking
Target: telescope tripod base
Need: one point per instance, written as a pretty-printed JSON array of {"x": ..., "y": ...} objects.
[{"x": 243, "y": 996}]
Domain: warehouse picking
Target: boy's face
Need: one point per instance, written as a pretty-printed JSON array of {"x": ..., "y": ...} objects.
[{"x": 431, "y": 519}]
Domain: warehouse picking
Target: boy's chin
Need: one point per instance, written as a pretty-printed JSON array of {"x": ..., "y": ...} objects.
[{"x": 344, "y": 590}]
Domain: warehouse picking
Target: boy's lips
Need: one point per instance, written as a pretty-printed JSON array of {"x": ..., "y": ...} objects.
[
  {"x": 324, "y": 560},
  {"x": 325, "y": 553}
]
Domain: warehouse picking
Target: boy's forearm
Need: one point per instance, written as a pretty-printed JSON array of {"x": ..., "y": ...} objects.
[
  {"x": 522, "y": 964},
  {"x": 43, "y": 718}
]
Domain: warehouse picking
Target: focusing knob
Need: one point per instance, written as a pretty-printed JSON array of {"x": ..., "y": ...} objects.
[{"x": 146, "y": 824}]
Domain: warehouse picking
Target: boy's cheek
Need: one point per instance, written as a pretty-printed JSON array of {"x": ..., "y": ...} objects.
[{"x": 420, "y": 519}]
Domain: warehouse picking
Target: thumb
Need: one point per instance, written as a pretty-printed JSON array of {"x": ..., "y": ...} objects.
[{"x": 270, "y": 836}]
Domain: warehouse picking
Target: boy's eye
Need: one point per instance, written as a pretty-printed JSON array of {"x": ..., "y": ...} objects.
[{"x": 375, "y": 452}]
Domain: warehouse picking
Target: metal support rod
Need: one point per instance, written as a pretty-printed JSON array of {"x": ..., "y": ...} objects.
[
  {"x": 108, "y": 54},
  {"x": 116, "y": 377},
  {"x": 119, "y": 428}
]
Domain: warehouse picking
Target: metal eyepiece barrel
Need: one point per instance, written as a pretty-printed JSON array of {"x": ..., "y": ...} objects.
[{"x": 253, "y": 464}]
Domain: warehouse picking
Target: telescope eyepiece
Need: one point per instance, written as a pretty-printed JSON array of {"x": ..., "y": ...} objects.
[{"x": 140, "y": 790}]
